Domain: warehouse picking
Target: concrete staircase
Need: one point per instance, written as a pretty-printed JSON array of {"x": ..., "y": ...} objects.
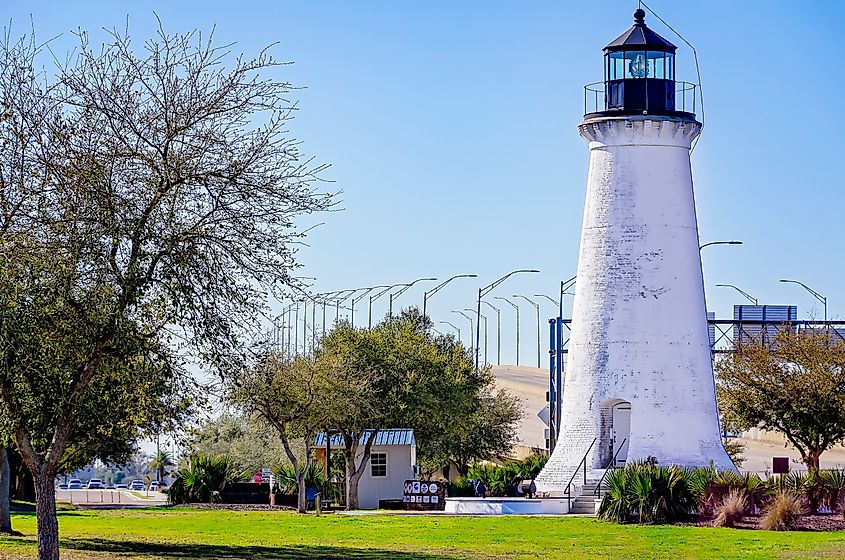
[{"x": 587, "y": 503}]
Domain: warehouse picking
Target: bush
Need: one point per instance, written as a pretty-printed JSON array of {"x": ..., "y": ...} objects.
[
  {"x": 731, "y": 509},
  {"x": 203, "y": 478},
  {"x": 461, "y": 488},
  {"x": 648, "y": 493},
  {"x": 719, "y": 484},
  {"x": 497, "y": 478},
  {"x": 315, "y": 477},
  {"x": 834, "y": 495},
  {"x": 783, "y": 512}
]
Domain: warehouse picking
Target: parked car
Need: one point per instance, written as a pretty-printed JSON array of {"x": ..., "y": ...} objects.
[
  {"x": 63, "y": 486},
  {"x": 74, "y": 484},
  {"x": 137, "y": 484},
  {"x": 121, "y": 487},
  {"x": 154, "y": 486},
  {"x": 96, "y": 484}
]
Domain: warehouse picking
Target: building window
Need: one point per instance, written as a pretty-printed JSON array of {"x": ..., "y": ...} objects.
[{"x": 378, "y": 464}]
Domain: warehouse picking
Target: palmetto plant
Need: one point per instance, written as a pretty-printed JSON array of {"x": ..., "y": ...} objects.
[
  {"x": 314, "y": 478},
  {"x": 834, "y": 496},
  {"x": 203, "y": 478},
  {"x": 648, "y": 493}
]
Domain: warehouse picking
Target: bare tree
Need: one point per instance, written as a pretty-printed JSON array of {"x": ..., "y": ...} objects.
[{"x": 152, "y": 193}]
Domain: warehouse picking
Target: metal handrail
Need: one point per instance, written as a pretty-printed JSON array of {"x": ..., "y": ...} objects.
[
  {"x": 612, "y": 465},
  {"x": 569, "y": 484},
  {"x": 686, "y": 93}
]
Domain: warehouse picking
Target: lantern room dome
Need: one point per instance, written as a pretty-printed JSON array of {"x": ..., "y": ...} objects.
[{"x": 640, "y": 37}]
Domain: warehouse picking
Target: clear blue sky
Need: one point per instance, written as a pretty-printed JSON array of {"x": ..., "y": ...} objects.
[{"x": 451, "y": 129}]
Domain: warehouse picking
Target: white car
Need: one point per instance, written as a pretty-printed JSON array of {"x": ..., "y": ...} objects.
[
  {"x": 96, "y": 484},
  {"x": 154, "y": 486},
  {"x": 137, "y": 484},
  {"x": 74, "y": 484}
]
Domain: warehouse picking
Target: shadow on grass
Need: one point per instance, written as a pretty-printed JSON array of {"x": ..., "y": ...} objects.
[{"x": 225, "y": 552}]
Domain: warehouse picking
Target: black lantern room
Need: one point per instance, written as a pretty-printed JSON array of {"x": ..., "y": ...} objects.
[{"x": 639, "y": 73}]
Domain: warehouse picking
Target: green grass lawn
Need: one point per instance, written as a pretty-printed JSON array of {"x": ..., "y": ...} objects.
[{"x": 183, "y": 534}]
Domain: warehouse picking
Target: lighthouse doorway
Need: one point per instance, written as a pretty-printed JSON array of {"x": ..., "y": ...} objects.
[{"x": 616, "y": 433}]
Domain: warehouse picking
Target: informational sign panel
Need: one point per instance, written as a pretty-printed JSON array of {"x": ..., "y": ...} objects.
[
  {"x": 424, "y": 495},
  {"x": 780, "y": 465}
]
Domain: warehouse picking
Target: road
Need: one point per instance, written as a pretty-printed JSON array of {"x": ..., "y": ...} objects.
[{"x": 111, "y": 498}]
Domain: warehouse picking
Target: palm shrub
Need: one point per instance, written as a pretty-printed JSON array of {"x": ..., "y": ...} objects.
[
  {"x": 731, "y": 509},
  {"x": 616, "y": 506},
  {"x": 783, "y": 512},
  {"x": 647, "y": 493},
  {"x": 711, "y": 487},
  {"x": 462, "y": 487},
  {"x": 286, "y": 482},
  {"x": 203, "y": 478},
  {"x": 834, "y": 490}
]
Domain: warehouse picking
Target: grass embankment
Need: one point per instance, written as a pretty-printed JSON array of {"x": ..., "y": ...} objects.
[{"x": 171, "y": 534}]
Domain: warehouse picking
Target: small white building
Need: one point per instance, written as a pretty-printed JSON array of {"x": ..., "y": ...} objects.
[{"x": 393, "y": 460}]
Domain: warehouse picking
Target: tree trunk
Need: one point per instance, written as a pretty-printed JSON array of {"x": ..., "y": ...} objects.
[
  {"x": 5, "y": 491},
  {"x": 352, "y": 478},
  {"x": 300, "y": 500},
  {"x": 45, "y": 515},
  {"x": 812, "y": 460}
]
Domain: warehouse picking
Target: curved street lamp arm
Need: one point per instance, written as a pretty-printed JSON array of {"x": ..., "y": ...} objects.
[
  {"x": 358, "y": 298},
  {"x": 408, "y": 286},
  {"x": 512, "y": 304},
  {"x": 815, "y": 294},
  {"x": 487, "y": 289},
  {"x": 464, "y": 314},
  {"x": 384, "y": 291},
  {"x": 491, "y": 305},
  {"x": 746, "y": 294},
  {"x": 700, "y": 247},
  {"x": 437, "y": 288},
  {"x": 535, "y": 304},
  {"x": 547, "y": 297}
]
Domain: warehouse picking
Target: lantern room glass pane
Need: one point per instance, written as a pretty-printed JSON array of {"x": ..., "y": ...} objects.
[
  {"x": 616, "y": 66},
  {"x": 656, "y": 65},
  {"x": 635, "y": 64},
  {"x": 670, "y": 66}
]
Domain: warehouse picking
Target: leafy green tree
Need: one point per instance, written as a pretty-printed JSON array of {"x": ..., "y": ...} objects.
[
  {"x": 296, "y": 398},
  {"x": 251, "y": 444},
  {"x": 794, "y": 385},
  {"x": 147, "y": 200},
  {"x": 416, "y": 380}
]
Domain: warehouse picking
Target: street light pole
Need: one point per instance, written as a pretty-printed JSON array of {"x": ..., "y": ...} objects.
[
  {"x": 565, "y": 285},
  {"x": 358, "y": 298},
  {"x": 748, "y": 296},
  {"x": 498, "y": 331},
  {"x": 454, "y": 327},
  {"x": 483, "y": 318},
  {"x": 537, "y": 309},
  {"x": 440, "y": 286},
  {"x": 398, "y": 293},
  {"x": 343, "y": 297},
  {"x": 516, "y": 308},
  {"x": 814, "y": 293},
  {"x": 483, "y": 292},
  {"x": 471, "y": 327},
  {"x": 374, "y": 298}
]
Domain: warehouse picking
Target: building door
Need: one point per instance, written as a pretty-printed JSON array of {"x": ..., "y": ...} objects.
[{"x": 620, "y": 432}]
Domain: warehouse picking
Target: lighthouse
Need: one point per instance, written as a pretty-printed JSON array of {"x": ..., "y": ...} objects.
[{"x": 639, "y": 379}]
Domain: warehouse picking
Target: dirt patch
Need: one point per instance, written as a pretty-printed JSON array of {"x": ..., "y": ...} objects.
[
  {"x": 818, "y": 522},
  {"x": 237, "y": 507}
]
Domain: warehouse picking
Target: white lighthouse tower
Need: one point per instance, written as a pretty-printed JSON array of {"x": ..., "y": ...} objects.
[{"x": 639, "y": 379}]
